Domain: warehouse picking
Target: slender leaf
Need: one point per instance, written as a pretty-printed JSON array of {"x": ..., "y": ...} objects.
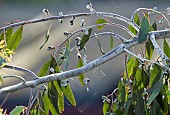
[
  {"x": 8, "y": 34},
  {"x": 100, "y": 46},
  {"x": 57, "y": 87},
  {"x": 85, "y": 38},
  {"x": 155, "y": 91},
  {"x": 1, "y": 79},
  {"x": 35, "y": 112},
  {"x": 101, "y": 21},
  {"x": 82, "y": 76},
  {"x": 144, "y": 30},
  {"x": 67, "y": 54},
  {"x": 111, "y": 42},
  {"x": 106, "y": 108},
  {"x": 137, "y": 21},
  {"x": 149, "y": 50},
  {"x": 154, "y": 26},
  {"x": 121, "y": 92},
  {"x": 60, "y": 103},
  {"x": 128, "y": 104},
  {"x": 45, "y": 68},
  {"x": 166, "y": 48},
  {"x": 15, "y": 39},
  {"x": 46, "y": 37},
  {"x": 69, "y": 94},
  {"x": 48, "y": 103},
  {"x": 17, "y": 110}
]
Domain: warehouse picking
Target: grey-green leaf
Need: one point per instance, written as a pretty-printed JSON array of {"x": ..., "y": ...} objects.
[
  {"x": 15, "y": 39},
  {"x": 149, "y": 50},
  {"x": 17, "y": 110},
  {"x": 82, "y": 76},
  {"x": 111, "y": 42},
  {"x": 144, "y": 30},
  {"x": 101, "y": 21},
  {"x": 67, "y": 54},
  {"x": 137, "y": 21},
  {"x": 85, "y": 38}
]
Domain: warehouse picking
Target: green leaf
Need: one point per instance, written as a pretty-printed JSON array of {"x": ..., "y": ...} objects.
[
  {"x": 46, "y": 37},
  {"x": 154, "y": 26},
  {"x": 111, "y": 42},
  {"x": 84, "y": 39},
  {"x": 155, "y": 91},
  {"x": 100, "y": 46},
  {"x": 121, "y": 92},
  {"x": 138, "y": 79},
  {"x": 17, "y": 110},
  {"x": 48, "y": 103},
  {"x": 138, "y": 102},
  {"x": 145, "y": 78},
  {"x": 128, "y": 104},
  {"x": 15, "y": 39},
  {"x": 82, "y": 76},
  {"x": 106, "y": 108},
  {"x": 8, "y": 34},
  {"x": 45, "y": 68},
  {"x": 35, "y": 112},
  {"x": 144, "y": 30},
  {"x": 101, "y": 21},
  {"x": 137, "y": 21},
  {"x": 69, "y": 94},
  {"x": 168, "y": 96},
  {"x": 166, "y": 48},
  {"x": 1, "y": 79},
  {"x": 67, "y": 54},
  {"x": 149, "y": 50},
  {"x": 57, "y": 87},
  {"x": 60, "y": 103}
]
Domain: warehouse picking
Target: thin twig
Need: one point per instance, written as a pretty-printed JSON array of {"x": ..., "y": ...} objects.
[
  {"x": 30, "y": 101},
  {"x": 15, "y": 76},
  {"x": 6, "y": 98},
  {"x": 22, "y": 70}
]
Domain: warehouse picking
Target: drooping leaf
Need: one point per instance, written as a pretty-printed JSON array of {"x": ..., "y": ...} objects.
[
  {"x": 155, "y": 91},
  {"x": 137, "y": 79},
  {"x": 144, "y": 30},
  {"x": 149, "y": 50},
  {"x": 14, "y": 40},
  {"x": 137, "y": 21},
  {"x": 35, "y": 112},
  {"x": 166, "y": 48},
  {"x": 154, "y": 26},
  {"x": 60, "y": 103},
  {"x": 111, "y": 42},
  {"x": 82, "y": 76},
  {"x": 17, "y": 110},
  {"x": 69, "y": 94},
  {"x": 139, "y": 102},
  {"x": 145, "y": 78},
  {"x": 121, "y": 92},
  {"x": 128, "y": 104},
  {"x": 84, "y": 39},
  {"x": 46, "y": 37},
  {"x": 45, "y": 68},
  {"x": 67, "y": 54},
  {"x": 106, "y": 108},
  {"x": 8, "y": 34},
  {"x": 57, "y": 88},
  {"x": 101, "y": 21},
  {"x": 48, "y": 103}
]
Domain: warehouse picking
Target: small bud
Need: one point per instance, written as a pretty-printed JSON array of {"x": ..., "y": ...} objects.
[
  {"x": 46, "y": 12},
  {"x": 86, "y": 80},
  {"x": 82, "y": 23},
  {"x": 78, "y": 55},
  {"x": 64, "y": 83},
  {"x": 161, "y": 20},
  {"x": 60, "y": 14},
  {"x": 52, "y": 70},
  {"x": 89, "y": 7},
  {"x": 155, "y": 8},
  {"x": 50, "y": 48},
  {"x": 168, "y": 10},
  {"x": 67, "y": 33}
]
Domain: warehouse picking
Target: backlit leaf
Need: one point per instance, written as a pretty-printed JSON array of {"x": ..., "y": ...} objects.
[
  {"x": 106, "y": 108},
  {"x": 166, "y": 48},
  {"x": 14, "y": 40},
  {"x": 45, "y": 68},
  {"x": 84, "y": 39},
  {"x": 17, "y": 110},
  {"x": 67, "y": 54},
  {"x": 82, "y": 76},
  {"x": 144, "y": 30},
  {"x": 60, "y": 103},
  {"x": 137, "y": 21},
  {"x": 1, "y": 79},
  {"x": 149, "y": 50},
  {"x": 101, "y": 21},
  {"x": 69, "y": 94},
  {"x": 57, "y": 88},
  {"x": 48, "y": 103},
  {"x": 8, "y": 34}
]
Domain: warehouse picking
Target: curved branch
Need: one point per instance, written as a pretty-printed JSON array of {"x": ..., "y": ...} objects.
[{"x": 112, "y": 15}]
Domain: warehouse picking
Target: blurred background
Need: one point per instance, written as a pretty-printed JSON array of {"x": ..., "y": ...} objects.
[{"x": 103, "y": 80}]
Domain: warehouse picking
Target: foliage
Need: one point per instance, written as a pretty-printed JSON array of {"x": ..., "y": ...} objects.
[{"x": 142, "y": 89}]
